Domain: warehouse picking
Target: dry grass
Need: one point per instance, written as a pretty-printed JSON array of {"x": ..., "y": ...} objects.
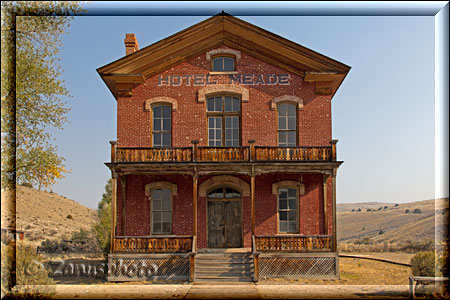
[
  {"x": 391, "y": 225},
  {"x": 43, "y": 215}
]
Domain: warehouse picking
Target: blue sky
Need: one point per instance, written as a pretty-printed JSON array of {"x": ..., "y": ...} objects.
[{"x": 383, "y": 113}]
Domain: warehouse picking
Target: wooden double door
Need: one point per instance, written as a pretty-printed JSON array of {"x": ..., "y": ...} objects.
[{"x": 224, "y": 218}]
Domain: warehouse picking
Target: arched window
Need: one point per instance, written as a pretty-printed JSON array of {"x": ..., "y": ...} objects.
[
  {"x": 224, "y": 192},
  {"x": 162, "y": 125},
  {"x": 224, "y": 114},
  {"x": 223, "y": 64},
  {"x": 287, "y": 124}
]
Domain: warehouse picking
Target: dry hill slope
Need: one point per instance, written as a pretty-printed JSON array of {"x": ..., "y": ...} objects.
[
  {"x": 392, "y": 224},
  {"x": 44, "y": 215}
]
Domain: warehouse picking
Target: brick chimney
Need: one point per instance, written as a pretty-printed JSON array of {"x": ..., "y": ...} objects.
[{"x": 131, "y": 44}]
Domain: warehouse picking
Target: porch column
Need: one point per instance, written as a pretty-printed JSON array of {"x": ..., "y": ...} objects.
[
  {"x": 123, "y": 185},
  {"x": 113, "y": 196},
  {"x": 325, "y": 202},
  {"x": 194, "y": 203},
  {"x": 333, "y": 180},
  {"x": 252, "y": 193},
  {"x": 113, "y": 210}
]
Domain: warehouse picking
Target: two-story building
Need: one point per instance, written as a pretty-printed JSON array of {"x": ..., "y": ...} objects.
[{"x": 224, "y": 167}]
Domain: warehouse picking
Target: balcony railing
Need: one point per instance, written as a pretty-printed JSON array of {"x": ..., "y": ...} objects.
[
  {"x": 153, "y": 154},
  {"x": 224, "y": 154},
  {"x": 293, "y": 153},
  {"x": 294, "y": 243},
  {"x": 163, "y": 244}
]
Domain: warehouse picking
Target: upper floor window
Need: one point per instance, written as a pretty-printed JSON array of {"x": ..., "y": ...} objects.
[
  {"x": 162, "y": 126},
  {"x": 224, "y": 113},
  {"x": 287, "y": 124},
  {"x": 161, "y": 211},
  {"x": 287, "y": 210},
  {"x": 223, "y": 64}
]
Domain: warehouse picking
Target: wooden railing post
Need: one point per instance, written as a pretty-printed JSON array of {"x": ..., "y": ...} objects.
[
  {"x": 192, "y": 259},
  {"x": 113, "y": 150},
  {"x": 256, "y": 269},
  {"x": 333, "y": 150},
  {"x": 252, "y": 150},
  {"x": 194, "y": 149}
]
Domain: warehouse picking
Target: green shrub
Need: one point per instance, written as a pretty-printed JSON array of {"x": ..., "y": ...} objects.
[
  {"x": 423, "y": 264},
  {"x": 407, "y": 211},
  {"x": 69, "y": 217},
  {"x": 102, "y": 228},
  {"x": 417, "y": 211}
]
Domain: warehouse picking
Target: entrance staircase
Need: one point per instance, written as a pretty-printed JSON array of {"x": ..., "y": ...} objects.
[{"x": 224, "y": 267}]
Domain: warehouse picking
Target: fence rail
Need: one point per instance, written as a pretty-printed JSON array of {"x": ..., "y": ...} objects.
[
  {"x": 153, "y": 244},
  {"x": 310, "y": 243},
  {"x": 153, "y": 154},
  {"x": 293, "y": 153},
  {"x": 218, "y": 154}
]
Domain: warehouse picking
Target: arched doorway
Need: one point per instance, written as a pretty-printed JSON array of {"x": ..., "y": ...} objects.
[{"x": 224, "y": 209}]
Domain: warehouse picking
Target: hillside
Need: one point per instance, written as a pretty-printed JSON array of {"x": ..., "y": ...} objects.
[
  {"x": 43, "y": 215},
  {"x": 392, "y": 224}
]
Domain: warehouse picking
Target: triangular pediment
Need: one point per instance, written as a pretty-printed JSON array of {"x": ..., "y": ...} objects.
[{"x": 212, "y": 33}]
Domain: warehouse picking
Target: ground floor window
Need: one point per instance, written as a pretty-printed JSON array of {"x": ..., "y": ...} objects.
[
  {"x": 161, "y": 211},
  {"x": 287, "y": 210}
]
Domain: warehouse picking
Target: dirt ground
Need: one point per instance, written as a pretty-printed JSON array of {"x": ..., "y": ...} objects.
[
  {"x": 353, "y": 271},
  {"x": 359, "y": 279}
]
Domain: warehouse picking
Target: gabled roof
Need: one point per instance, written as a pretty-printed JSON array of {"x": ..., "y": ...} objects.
[{"x": 223, "y": 29}]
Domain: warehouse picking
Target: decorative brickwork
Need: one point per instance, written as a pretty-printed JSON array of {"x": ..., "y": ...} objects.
[
  {"x": 223, "y": 88},
  {"x": 160, "y": 185},
  {"x": 237, "y": 54},
  {"x": 227, "y": 180},
  {"x": 286, "y": 98},
  {"x": 149, "y": 102},
  {"x": 287, "y": 184}
]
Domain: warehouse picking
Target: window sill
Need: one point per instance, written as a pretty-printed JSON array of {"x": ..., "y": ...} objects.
[{"x": 223, "y": 73}]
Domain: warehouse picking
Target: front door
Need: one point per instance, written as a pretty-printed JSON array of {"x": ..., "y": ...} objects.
[{"x": 224, "y": 218}]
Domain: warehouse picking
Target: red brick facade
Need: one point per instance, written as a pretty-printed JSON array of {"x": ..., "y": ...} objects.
[
  {"x": 310, "y": 214},
  {"x": 189, "y": 122}
]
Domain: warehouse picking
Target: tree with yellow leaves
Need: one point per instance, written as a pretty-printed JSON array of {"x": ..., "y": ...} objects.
[{"x": 31, "y": 90}]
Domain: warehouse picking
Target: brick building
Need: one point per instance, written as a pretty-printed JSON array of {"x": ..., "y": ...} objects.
[{"x": 224, "y": 156}]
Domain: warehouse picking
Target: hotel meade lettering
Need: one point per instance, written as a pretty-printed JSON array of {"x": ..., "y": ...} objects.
[{"x": 209, "y": 79}]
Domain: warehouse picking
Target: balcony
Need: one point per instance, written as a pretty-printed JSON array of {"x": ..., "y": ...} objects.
[{"x": 199, "y": 154}]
